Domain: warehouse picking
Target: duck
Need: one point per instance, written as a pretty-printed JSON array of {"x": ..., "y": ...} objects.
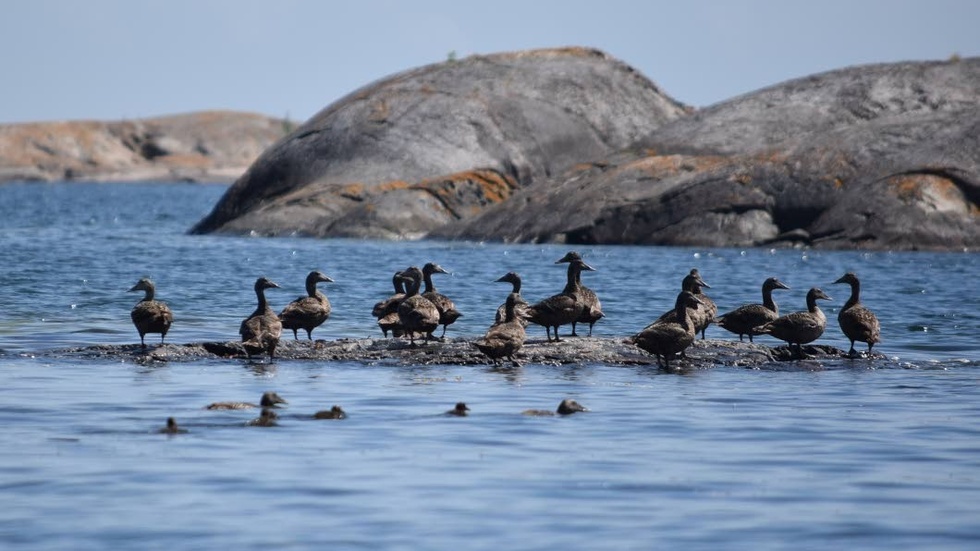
[
  {"x": 150, "y": 315},
  {"x": 386, "y": 311},
  {"x": 448, "y": 313},
  {"x": 520, "y": 305},
  {"x": 592, "y": 308},
  {"x": 261, "y": 331},
  {"x": 704, "y": 314},
  {"x": 665, "y": 338},
  {"x": 269, "y": 400},
  {"x": 172, "y": 427},
  {"x": 566, "y": 407},
  {"x": 268, "y": 418},
  {"x": 459, "y": 410},
  {"x": 563, "y": 308},
  {"x": 504, "y": 339},
  {"x": 416, "y": 313},
  {"x": 307, "y": 312},
  {"x": 747, "y": 317},
  {"x": 857, "y": 322},
  {"x": 799, "y": 328},
  {"x": 335, "y": 412}
]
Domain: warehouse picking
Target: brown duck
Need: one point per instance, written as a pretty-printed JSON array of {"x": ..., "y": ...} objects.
[
  {"x": 563, "y": 308},
  {"x": 799, "y": 328},
  {"x": 856, "y": 321},
  {"x": 503, "y": 340},
  {"x": 666, "y": 338},
  {"x": 416, "y": 313},
  {"x": 592, "y": 308},
  {"x": 307, "y": 312},
  {"x": 566, "y": 407},
  {"x": 704, "y": 314},
  {"x": 261, "y": 331},
  {"x": 150, "y": 315},
  {"x": 386, "y": 311},
  {"x": 520, "y": 305},
  {"x": 268, "y": 400},
  {"x": 335, "y": 412},
  {"x": 448, "y": 313},
  {"x": 744, "y": 319}
]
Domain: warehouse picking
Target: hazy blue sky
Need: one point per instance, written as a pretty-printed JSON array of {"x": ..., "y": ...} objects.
[{"x": 112, "y": 59}]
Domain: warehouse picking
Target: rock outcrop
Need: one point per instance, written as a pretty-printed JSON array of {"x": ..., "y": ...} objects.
[
  {"x": 212, "y": 146},
  {"x": 418, "y": 150}
]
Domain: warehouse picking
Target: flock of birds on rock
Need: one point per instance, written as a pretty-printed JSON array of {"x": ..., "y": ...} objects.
[{"x": 416, "y": 313}]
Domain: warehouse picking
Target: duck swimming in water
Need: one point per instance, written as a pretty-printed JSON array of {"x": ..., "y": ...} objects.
[
  {"x": 261, "y": 331},
  {"x": 269, "y": 400},
  {"x": 504, "y": 339},
  {"x": 799, "y": 328},
  {"x": 335, "y": 412},
  {"x": 447, "y": 309},
  {"x": 460, "y": 410},
  {"x": 416, "y": 313},
  {"x": 268, "y": 418},
  {"x": 566, "y": 407},
  {"x": 744, "y": 319},
  {"x": 856, "y": 321},
  {"x": 150, "y": 315},
  {"x": 520, "y": 305},
  {"x": 172, "y": 427},
  {"x": 563, "y": 308},
  {"x": 591, "y": 307},
  {"x": 307, "y": 312},
  {"x": 386, "y": 311},
  {"x": 664, "y": 339}
]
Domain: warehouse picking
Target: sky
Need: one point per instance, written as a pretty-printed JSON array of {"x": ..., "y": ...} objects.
[{"x": 124, "y": 59}]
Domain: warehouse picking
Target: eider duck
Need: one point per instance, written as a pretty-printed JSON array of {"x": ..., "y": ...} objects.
[
  {"x": 447, "y": 310},
  {"x": 261, "y": 331},
  {"x": 386, "y": 311},
  {"x": 335, "y": 412},
  {"x": 520, "y": 305},
  {"x": 799, "y": 328},
  {"x": 416, "y": 313},
  {"x": 592, "y": 308},
  {"x": 172, "y": 427},
  {"x": 149, "y": 315},
  {"x": 856, "y": 321},
  {"x": 269, "y": 400},
  {"x": 704, "y": 314},
  {"x": 566, "y": 407},
  {"x": 744, "y": 319},
  {"x": 460, "y": 410},
  {"x": 268, "y": 418},
  {"x": 504, "y": 339},
  {"x": 307, "y": 312},
  {"x": 664, "y": 339},
  {"x": 563, "y": 308}
]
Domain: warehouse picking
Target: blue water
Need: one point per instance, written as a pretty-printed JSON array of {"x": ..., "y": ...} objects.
[{"x": 862, "y": 454}]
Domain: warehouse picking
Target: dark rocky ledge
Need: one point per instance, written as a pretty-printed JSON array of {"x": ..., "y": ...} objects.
[{"x": 460, "y": 351}]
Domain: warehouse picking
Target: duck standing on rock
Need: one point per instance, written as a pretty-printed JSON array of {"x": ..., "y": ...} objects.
[
  {"x": 520, "y": 305},
  {"x": 591, "y": 307},
  {"x": 665, "y": 338},
  {"x": 704, "y": 314},
  {"x": 386, "y": 311},
  {"x": 150, "y": 315},
  {"x": 799, "y": 328},
  {"x": 307, "y": 312},
  {"x": 261, "y": 331},
  {"x": 416, "y": 314},
  {"x": 563, "y": 308},
  {"x": 856, "y": 321},
  {"x": 447, "y": 309},
  {"x": 503, "y": 340},
  {"x": 744, "y": 319}
]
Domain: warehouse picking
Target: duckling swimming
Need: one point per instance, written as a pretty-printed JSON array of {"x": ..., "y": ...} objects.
[
  {"x": 591, "y": 307},
  {"x": 664, "y": 339},
  {"x": 504, "y": 339},
  {"x": 386, "y": 311},
  {"x": 261, "y": 331},
  {"x": 149, "y": 315},
  {"x": 563, "y": 308},
  {"x": 268, "y": 418},
  {"x": 566, "y": 407},
  {"x": 447, "y": 309},
  {"x": 269, "y": 400},
  {"x": 460, "y": 410},
  {"x": 335, "y": 412},
  {"x": 799, "y": 328},
  {"x": 416, "y": 313},
  {"x": 744, "y": 319},
  {"x": 172, "y": 427},
  {"x": 307, "y": 312},
  {"x": 520, "y": 305},
  {"x": 856, "y": 321}
]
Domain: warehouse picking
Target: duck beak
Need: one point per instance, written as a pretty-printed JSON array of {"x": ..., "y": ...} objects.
[
  {"x": 840, "y": 280},
  {"x": 325, "y": 279},
  {"x": 134, "y": 288},
  {"x": 587, "y": 268},
  {"x": 781, "y": 285}
]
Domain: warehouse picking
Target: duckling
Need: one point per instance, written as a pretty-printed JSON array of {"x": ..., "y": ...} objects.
[
  {"x": 172, "y": 427},
  {"x": 149, "y": 315},
  {"x": 566, "y": 407},
  {"x": 745, "y": 318},
  {"x": 856, "y": 321},
  {"x": 664, "y": 339},
  {"x": 504, "y": 339},
  {"x": 335, "y": 412},
  {"x": 799, "y": 328},
  {"x": 416, "y": 313},
  {"x": 261, "y": 331},
  {"x": 520, "y": 305},
  {"x": 592, "y": 308},
  {"x": 563, "y": 308},
  {"x": 386, "y": 311},
  {"x": 307, "y": 312},
  {"x": 447, "y": 310},
  {"x": 268, "y": 418},
  {"x": 269, "y": 400},
  {"x": 460, "y": 410}
]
